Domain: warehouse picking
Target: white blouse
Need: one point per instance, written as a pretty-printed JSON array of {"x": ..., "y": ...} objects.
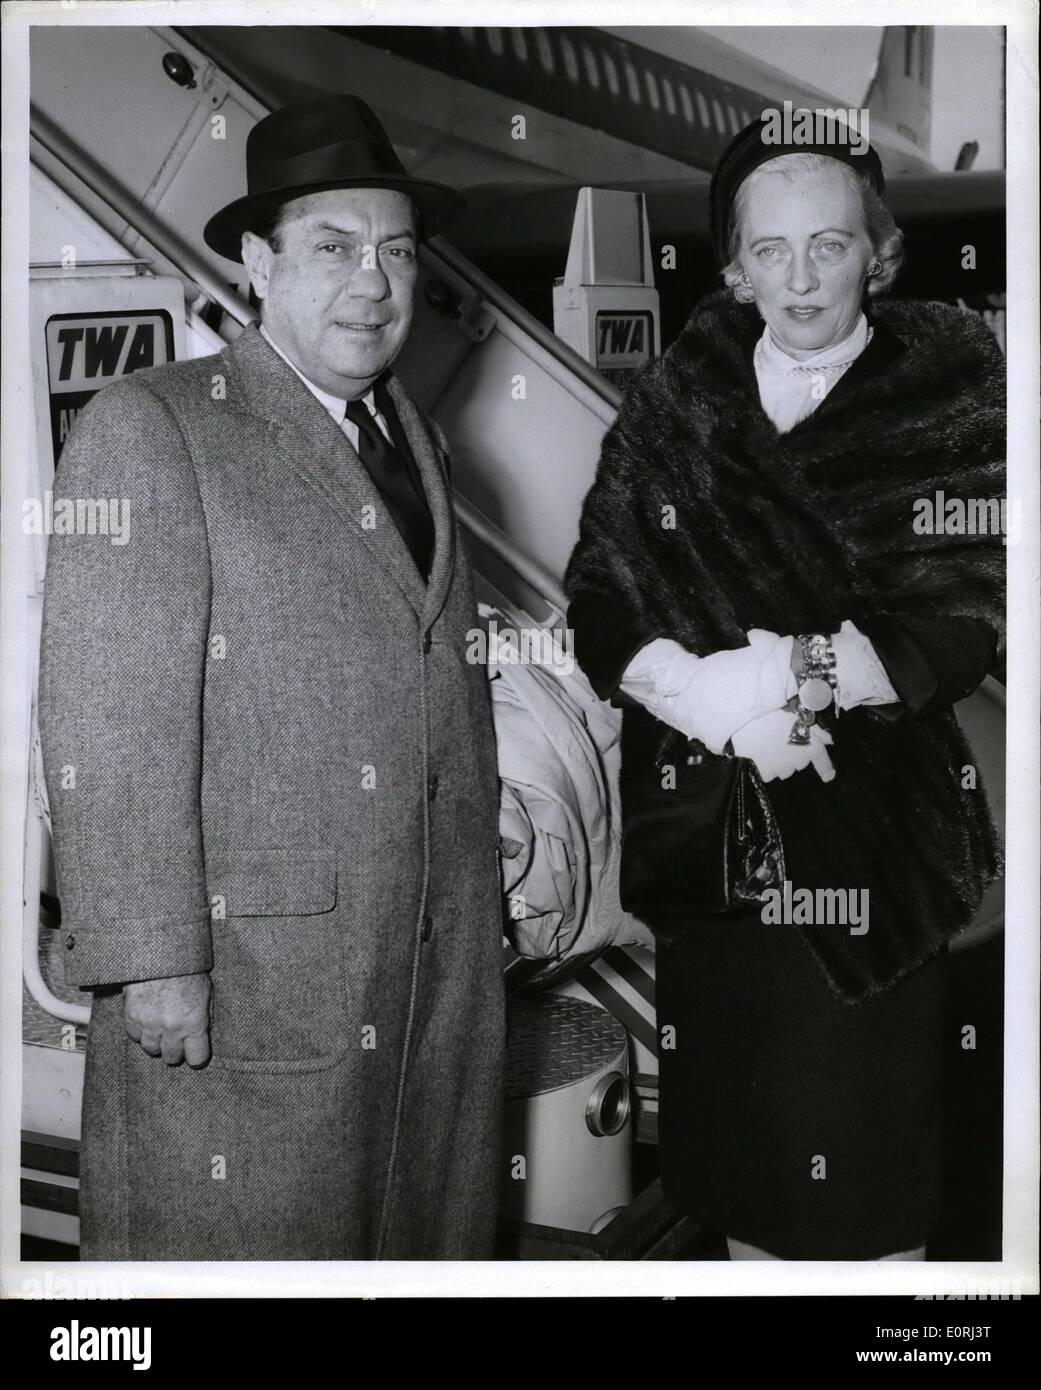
[{"x": 792, "y": 388}]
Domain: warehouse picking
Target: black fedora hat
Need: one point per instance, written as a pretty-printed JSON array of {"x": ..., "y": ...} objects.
[{"x": 331, "y": 142}]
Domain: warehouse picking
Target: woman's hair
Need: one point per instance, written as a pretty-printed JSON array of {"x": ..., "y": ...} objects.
[{"x": 886, "y": 237}]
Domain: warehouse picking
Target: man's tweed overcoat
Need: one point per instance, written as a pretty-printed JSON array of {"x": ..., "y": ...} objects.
[{"x": 267, "y": 757}]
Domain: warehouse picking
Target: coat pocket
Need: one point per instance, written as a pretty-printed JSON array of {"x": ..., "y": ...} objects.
[
  {"x": 279, "y": 1000},
  {"x": 266, "y": 884}
]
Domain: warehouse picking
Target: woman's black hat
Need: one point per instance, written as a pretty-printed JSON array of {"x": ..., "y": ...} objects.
[
  {"x": 754, "y": 145},
  {"x": 331, "y": 142}
]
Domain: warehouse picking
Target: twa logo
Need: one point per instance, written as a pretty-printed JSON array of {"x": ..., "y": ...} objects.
[
  {"x": 623, "y": 340},
  {"x": 86, "y": 351}
]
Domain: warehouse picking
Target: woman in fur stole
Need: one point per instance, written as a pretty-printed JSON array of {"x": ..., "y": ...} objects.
[{"x": 768, "y": 481}]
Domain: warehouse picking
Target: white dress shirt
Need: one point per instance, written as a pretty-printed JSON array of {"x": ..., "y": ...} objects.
[{"x": 335, "y": 405}]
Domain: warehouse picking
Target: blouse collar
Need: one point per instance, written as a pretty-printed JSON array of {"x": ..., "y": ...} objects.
[{"x": 772, "y": 359}]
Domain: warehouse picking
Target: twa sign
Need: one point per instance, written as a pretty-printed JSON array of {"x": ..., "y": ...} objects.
[
  {"x": 623, "y": 340},
  {"x": 87, "y": 351}
]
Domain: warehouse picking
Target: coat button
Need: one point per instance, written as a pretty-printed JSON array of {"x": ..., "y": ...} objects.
[
  {"x": 70, "y": 941},
  {"x": 428, "y": 927},
  {"x": 428, "y": 642},
  {"x": 432, "y": 786}
]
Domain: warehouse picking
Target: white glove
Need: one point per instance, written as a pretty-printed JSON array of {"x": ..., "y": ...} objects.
[
  {"x": 765, "y": 741},
  {"x": 861, "y": 676},
  {"x": 709, "y": 697}
]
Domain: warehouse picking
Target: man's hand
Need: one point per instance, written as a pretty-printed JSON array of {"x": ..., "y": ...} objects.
[{"x": 170, "y": 1018}]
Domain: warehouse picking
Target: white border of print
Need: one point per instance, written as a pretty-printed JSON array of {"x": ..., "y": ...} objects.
[{"x": 582, "y": 1277}]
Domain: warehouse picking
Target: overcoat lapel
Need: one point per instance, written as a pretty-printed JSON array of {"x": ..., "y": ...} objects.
[{"x": 320, "y": 453}]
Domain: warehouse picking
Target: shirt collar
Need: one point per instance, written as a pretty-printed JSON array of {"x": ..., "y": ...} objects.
[{"x": 335, "y": 405}]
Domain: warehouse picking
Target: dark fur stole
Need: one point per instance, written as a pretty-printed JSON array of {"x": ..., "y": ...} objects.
[{"x": 704, "y": 522}]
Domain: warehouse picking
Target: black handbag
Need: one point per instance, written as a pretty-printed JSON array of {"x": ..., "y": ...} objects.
[{"x": 700, "y": 838}]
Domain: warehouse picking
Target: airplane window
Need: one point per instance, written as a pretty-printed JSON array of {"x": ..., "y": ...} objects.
[
  {"x": 612, "y": 74},
  {"x": 652, "y": 91},
  {"x": 703, "y": 111},
  {"x": 592, "y": 71},
  {"x": 633, "y": 83},
  {"x": 721, "y": 124},
  {"x": 545, "y": 52},
  {"x": 570, "y": 62},
  {"x": 520, "y": 48},
  {"x": 495, "y": 42},
  {"x": 667, "y": 93}
]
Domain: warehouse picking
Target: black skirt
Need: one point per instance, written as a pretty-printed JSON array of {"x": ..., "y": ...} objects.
[{"x": 790, "y": 1119}]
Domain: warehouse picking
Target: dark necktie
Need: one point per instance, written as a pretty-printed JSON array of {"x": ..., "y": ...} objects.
[{"x": 399, "y": 485}]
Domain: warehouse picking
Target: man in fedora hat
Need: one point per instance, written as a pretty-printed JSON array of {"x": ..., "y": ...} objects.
[{"x": 271, "y": 769}]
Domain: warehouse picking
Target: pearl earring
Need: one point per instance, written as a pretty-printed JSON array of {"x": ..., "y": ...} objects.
[
  {"x": 875, "y": 268},
  {"x": 745, "y": 280}
]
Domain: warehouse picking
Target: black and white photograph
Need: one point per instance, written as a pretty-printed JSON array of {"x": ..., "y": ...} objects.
[{"x": 520, "y": 638}]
